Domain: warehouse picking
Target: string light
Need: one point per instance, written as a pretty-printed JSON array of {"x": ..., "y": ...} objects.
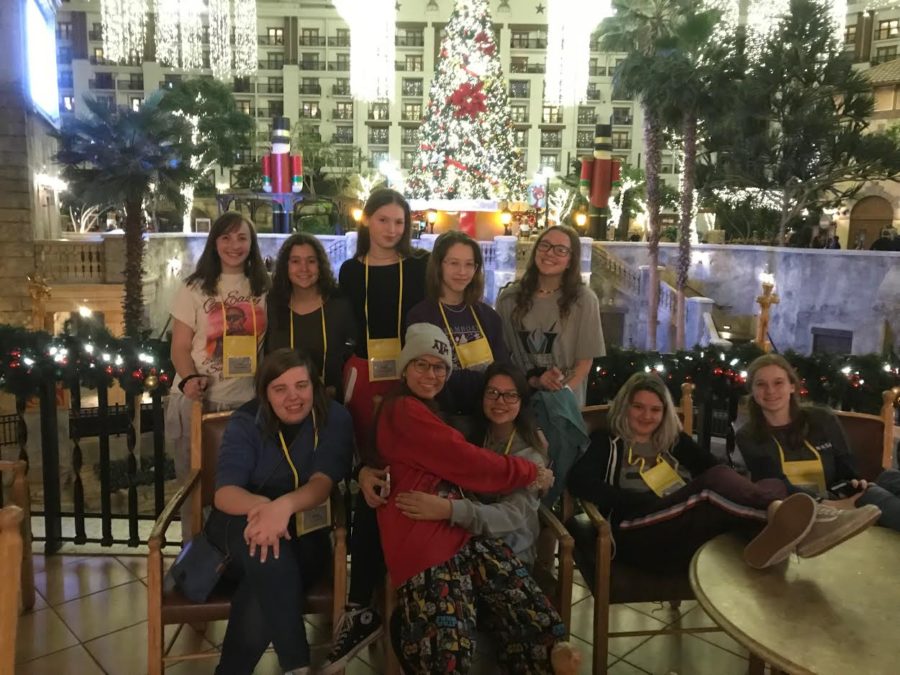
[
  {"x": 124, "y": 25},
  {"x": 570, "y": 24},
  {"x": 167, "y": 32},
  {"x": 191, "y": 29},
  {"x": 372, "y": 47},
  {"x": 246, "y": 48},
  {"x": 220, "y": 54}
]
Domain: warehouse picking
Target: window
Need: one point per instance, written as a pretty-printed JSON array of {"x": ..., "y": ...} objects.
[
  {"x": 341, "y": 37},
  {"x": 310, "y": 86},
  {"x": 412, "y": 111},
  {"x": 551, "y": 139},
  {"x": 622, "y": 116},
  {"x": 519, "y": 113},
  {"x": 885, "y": 54},
  {"x": 379, "y": 111},
  {"x": 550, "y": 161},
  {"x": 274, "y": 60},
  {"x": 409, "y": 136},
  {"x": 850, "y": 34},
  {"x": 376, "y": 157},
  {"x": 309, "y": 61},
  {"x": 64, "y": 30},
  {"x": 244, "y": 107},
  {"x": 412, "y": 87},
  {"x": 666, "y": 167},
  {"x": 409, "y": 38},
  {"x": 343, "y": 61},
  {"x": 135, "y": 81},
  {"x": 341, "y": 87},
  {"x": 276, "y": 109},
  {"x": 65, "y": 78},
  {"x": 585, "y": 139},
  {"x": 888, "y": 29},
  {"x": 343, "y": 110},
  {"x": 518, "y": 64},
  {"x": 519, "y": 40},
  {"x": 594, "y": 93},
  {"x": 104, "y": 81},
  {"x": 68, "y": 103},
  {"x": 587, "y": 116},
  {"x": 135, "y": 103},
  {"x": 621, "y": 140},
  {"x": 519, "y": 88},
  {"x": 551, "y": 115},
  {"x": 96, "y": 32},
  {"x": 242, "y": 85},
  {"x": 345, "y": 158},
  {"x": 407, "y": 159},
  {"x": 275, "y": 85},
  {"x": 309, "y": 37},
  {"x": 414, "y": 63},
  {"x": 379, "y": 136},
  {"x": 521, "y": 138},
  {"x": 310, "y": 110},
  {"x": 64, "y": 55},
  {"x": 343, "y": 135},
  {"x": 97, "y": 56},
  {"x": 275, "y": 35}
]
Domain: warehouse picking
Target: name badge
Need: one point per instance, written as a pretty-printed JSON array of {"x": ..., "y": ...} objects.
[
  {"x": 662, "y": 479},
  {"x": 238, "y": 355},
  {"x": 313, "y": 519},
  {"x": 383, "y": 359},
  {"x": 475, "y": 353}
]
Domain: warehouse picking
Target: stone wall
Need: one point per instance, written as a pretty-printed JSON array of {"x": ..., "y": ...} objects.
[{"x": 856, "y": 291}]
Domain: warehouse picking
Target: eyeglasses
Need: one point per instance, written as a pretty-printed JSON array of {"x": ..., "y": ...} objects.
[
  {"x": 422, "y": 367},
  {"x": 558, "y": 249},
  {"x": 492, "y": 394}
]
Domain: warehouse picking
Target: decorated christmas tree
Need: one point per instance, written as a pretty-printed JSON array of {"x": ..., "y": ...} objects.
[{"x": 466, "y": 144}]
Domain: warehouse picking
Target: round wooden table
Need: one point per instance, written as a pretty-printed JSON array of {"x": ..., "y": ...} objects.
[{"x": 836, "y": 614}]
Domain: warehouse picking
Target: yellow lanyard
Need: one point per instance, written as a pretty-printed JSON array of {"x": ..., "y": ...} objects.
[
  {"x": 450, "y": 332},
  {"x": 509, "y": 442},
  {"x": 399, "y": 298},
  {"x": 324, "y": 338},
  {"x": 287, "y": 454},
  {"x": 804, "y": 472},
  {"x": 643, "y": 460},
  {"x": 225, "y": 319}
]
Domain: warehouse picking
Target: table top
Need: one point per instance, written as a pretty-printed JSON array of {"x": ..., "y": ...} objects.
[{"x": 835, "y": 614}]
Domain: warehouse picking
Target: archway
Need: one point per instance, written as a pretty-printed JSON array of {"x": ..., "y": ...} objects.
[{"x": 869, "y": 216}]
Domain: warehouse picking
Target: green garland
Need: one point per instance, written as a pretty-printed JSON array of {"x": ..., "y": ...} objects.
[
  {"x": 92, "y": 358},
  {"x": 846, "y": 382}
]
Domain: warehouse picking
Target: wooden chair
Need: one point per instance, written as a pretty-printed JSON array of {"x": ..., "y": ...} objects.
[
  {"x": 11, "y": 545},
  {"x": 612, "y": 581},
  {"x": 871, "y": 436},
  {"x": 19, "y": 496},
  {"x": 167, "y": 608}
]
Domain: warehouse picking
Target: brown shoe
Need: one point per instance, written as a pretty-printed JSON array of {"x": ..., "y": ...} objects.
[
  {"x": 788, "y": 524},
  {"x": 833, "y": 526}
]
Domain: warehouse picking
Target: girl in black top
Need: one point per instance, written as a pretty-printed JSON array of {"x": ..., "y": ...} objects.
[{"x": 307, "y": 313}]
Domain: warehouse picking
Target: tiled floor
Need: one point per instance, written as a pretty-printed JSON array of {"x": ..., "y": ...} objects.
[{"x": 90, "y": 619}]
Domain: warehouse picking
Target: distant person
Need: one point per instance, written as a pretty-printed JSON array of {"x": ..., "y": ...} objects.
[
  {"x": 634, "y": 237},
  {"x": 885, "y": 242},
  {"x": 834, "y": 242}
]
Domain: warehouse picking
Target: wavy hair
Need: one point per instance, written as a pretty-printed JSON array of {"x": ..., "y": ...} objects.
[
  {"x": 209, "y": 267},
  {"x": 666, "y": 434},
  {"x": 375, "y": 201},
  {"x": 571, "y": 283},
  {"x": 280, "y": 295},
  {"x": 434, "y": 273},
  {"x": 758, "y": 426},
  {"x": 275, "y": 365},
  {"x": 525, "y": 422}
]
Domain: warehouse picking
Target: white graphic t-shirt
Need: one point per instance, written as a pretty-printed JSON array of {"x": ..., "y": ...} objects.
[{"x": 230, "y": 311}]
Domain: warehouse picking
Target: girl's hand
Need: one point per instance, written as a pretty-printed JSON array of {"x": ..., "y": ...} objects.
[
  {"x": 423, "y": 506},
  {"x": 195, "y": 388},
  {"x": 544, "y": 480},
  {"x": 551, "y": 379},
  {"x": 862, "y": 484},
  {"x": 266, "y": 526},
  {"x": 375, "y": 485}
]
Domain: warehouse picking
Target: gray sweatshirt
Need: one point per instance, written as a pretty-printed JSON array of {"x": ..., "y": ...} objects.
[{"x": 512, "y": 517}]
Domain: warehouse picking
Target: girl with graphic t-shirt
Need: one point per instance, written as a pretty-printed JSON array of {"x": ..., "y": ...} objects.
[
  {"x": 454, "y": 283},
  {"x": 551, "y": 320},
  {"x": 219, "y": 319}
]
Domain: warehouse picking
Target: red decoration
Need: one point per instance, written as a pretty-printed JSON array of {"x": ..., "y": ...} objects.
[
  {"x": 468, "y": 99},
  {"x": 467, "y": 223}
]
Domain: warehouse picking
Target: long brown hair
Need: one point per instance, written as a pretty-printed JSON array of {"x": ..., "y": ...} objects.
[
  {"x": 571, "y": 283},
  {"x": 280, "y": 295},
  {"x": 209, "y": 266},
  {"x": 758, "y": 425},
  {"x": 525, "y": 423},
  {"x": 375, "y": 201},
  {"x": 434, "y": 273},
  {"x": 275, "y": 365}
]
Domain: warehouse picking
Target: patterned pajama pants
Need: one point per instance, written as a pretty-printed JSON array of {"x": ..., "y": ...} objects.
[{"x": 483, "y": 583}]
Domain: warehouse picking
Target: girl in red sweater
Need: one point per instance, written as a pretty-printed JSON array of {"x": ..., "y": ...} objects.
[{"x": 440, "y": 571}]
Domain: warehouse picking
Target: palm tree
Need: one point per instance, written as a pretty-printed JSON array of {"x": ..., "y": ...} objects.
[
  {"x": 637, "y": 28},
  {"x": 121, "y": 155}
]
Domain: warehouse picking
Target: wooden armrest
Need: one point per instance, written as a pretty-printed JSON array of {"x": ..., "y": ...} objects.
[
  {"x": 338, "y": 508},
  {"x": 157, "y": 534},
  {"x": 596, "y": 518},
  {"x": 549, "y": 520}
]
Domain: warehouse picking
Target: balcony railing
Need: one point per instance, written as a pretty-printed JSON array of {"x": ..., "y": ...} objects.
[
  {"x": 587, "y": 119},
  {"x": 270, "y": 88},
  {"x": 528, "y": 43},
  {"x": 622, "y": 120},
  {"x": 271, "y": 65},
  {"x": 597, "y": 71},
  {"x": 340, "y": 66},
  {"x": 310, "y": 114},
  {"x": 339, "y": 41},
  {"x": 412, "y": 116},
  {"x": 883, "y": 58},
  {"x": 312, "y": 65},
  {"x": 551, "y": 142},
  {"x": 519, "y": 92},
  {"x": 342, "y": 139},
  {"x": 104, "y": 85},
  {"x": 413, "y": 91},
  {"x": 409, "y": 139},
  {"x": 621, "y": 143},
  {"x": 270, "y": 40},
  {"x": 379, "y": 140},
  {"x": 130, "y": 85},
  {"x": 594, "y": 95},
  {"x": 311, "y": 89},
  {"x": 95, "y": 35},
  {"x": 530, "y": 68},
  {"x": 552, "y": 119},
  {"x": 340, "y": 90},
  {"x": 520, "y": 119},
  {"x": 409, "y": 66},
  {"x": 416, "y": 40},
  {"x": 342, "y": 114},
  {"x": 380, "y": 115},
  {"x": 313, "y": 41}
]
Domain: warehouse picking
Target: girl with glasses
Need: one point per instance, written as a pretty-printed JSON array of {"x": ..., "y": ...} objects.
[
  {"x": 508, "y": 429},
  {"x": 307, "y": 313},
  {"x": 551, "y": 320},
  {"x": 446, "y": 579},
  {"x": 454, "y": 286}
]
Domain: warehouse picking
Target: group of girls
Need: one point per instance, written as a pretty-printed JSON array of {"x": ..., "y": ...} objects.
[{"x": 454, "y": 520}]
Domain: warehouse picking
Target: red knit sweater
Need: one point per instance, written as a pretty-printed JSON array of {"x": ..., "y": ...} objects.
[{"x": 422, "y": 451}]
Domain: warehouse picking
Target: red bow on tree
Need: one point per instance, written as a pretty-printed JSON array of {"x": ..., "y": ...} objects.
[{"x": 468, "y": 99}]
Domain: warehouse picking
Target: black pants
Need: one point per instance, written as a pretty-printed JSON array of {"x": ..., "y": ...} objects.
[
  {"x": 267, "y": 606},
  {"x": 367, "y": 569}
]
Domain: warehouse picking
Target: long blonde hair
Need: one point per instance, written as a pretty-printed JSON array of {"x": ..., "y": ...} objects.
[{"x": 666, "y": 434}]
